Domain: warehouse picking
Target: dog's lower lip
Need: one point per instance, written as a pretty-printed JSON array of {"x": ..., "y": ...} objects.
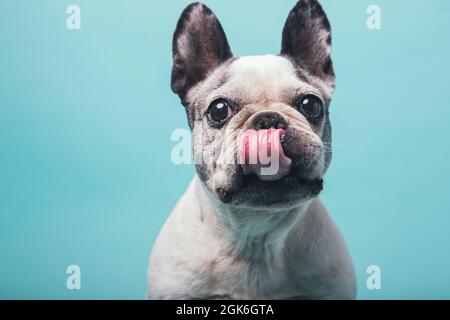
[
  {"x": 250, "y": 188},
  {"x": 315, "y": 184}
]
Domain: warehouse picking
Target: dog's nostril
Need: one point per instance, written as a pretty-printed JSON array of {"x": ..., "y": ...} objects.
[{"x": 267, "y": 120}]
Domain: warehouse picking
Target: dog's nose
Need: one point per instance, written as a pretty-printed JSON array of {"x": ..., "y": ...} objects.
[{"x": 269, "y": 119}]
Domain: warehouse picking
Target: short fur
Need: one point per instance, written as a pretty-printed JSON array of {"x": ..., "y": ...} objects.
[{"x": 232, "y": 236}]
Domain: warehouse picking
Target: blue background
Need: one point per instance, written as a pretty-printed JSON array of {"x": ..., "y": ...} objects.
[{"x": 86, "y": 118}]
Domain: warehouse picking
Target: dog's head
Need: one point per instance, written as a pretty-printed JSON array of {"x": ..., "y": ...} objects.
[{"x": 242, "y": 108}]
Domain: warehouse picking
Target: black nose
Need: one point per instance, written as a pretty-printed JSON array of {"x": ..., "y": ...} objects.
[{"x": 269, "y": 119}]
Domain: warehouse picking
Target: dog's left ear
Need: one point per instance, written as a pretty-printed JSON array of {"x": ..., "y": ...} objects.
[
  {"x": 307, "y": 40},
  {"x": 199, "y": 46}
]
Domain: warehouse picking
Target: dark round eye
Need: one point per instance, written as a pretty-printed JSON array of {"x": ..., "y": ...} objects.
[
  {"x": 311, "y": 106},
  {"x": 219, "y": 111}
]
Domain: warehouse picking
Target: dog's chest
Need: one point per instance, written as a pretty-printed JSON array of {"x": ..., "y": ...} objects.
[{"x": 231, "y": 278}]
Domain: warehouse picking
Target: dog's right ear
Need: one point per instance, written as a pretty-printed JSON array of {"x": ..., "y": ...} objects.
[{"x": 199, "y": 46}]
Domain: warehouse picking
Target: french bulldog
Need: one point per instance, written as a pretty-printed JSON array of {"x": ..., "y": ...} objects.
[{"x": 241, "y": 230}]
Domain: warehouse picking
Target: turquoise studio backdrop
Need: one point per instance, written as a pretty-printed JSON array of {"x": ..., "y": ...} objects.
[{"x": 86, "y": 118}]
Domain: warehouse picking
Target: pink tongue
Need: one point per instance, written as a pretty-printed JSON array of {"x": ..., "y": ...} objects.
[{"x": 263, "y": 155}]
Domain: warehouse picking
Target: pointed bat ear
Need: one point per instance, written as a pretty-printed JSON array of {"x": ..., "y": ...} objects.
[
  {"x": 307, "y": 40},
  {"x": 199, "y": 46}
]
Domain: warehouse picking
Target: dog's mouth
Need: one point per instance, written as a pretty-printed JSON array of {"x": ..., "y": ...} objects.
[
  {"x": 268, "y": 178},
  {"x": 252, "y": 182},
  {"x": 262, "y": 154},
  {"x": 284, "y": 192}
]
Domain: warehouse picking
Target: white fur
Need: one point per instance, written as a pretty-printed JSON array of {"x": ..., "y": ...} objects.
[
  {"x": 255, "y": 79},
  {"x": 207, "y": 251}
]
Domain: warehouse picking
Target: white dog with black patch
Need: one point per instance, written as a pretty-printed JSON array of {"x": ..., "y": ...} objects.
[{"x": 251, "y": 225}]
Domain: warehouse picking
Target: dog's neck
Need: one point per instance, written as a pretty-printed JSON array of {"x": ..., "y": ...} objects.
[{"x": 252, "y": 234}]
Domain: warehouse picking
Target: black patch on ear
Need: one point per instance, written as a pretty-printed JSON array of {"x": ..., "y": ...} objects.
[
  {"x": 199, "y": 46},
  {"x": 307, "y": 39}
]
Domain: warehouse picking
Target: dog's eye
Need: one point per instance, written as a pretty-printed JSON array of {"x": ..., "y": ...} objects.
[
  {"x": 311, "y": 106},
  {"x": 219, "y": 111}
]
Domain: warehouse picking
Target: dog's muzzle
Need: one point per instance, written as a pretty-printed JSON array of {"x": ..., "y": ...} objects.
[{"x": 262, "y": 153}]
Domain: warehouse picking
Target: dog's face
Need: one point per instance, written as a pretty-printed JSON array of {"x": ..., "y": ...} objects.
[{"x": 240, "y": 106}]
